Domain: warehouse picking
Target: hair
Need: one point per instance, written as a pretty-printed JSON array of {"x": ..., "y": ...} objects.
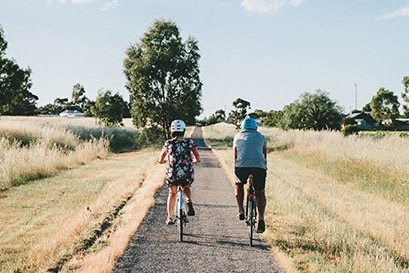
[{"x": 177, "y": 134}]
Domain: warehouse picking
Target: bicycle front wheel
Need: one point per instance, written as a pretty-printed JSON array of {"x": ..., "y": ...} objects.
[
  {"x": 181, "y": 222},
  {"x": 181, "y": 214}
]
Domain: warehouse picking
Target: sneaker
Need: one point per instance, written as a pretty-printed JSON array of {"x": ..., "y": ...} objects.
[
  {"x": 170, "y": 221},
  {"x": 190, "y": 210},
  {"x": 261, "y": 226},
  {"x": 241, "y": 216}
]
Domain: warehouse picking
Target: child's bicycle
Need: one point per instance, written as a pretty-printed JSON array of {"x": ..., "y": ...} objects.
[
  {"x": 180, "y": 212},
  {"x": 251, "y": 211}
]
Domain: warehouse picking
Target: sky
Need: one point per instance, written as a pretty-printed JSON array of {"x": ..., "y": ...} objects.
[{"x": 267, "y": 52}]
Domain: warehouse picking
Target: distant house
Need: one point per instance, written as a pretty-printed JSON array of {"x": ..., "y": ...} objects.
[
  {"x": 71, "y": 113},
  {"x": 364, "y": 120},
  {"x": 401, "y": 124}
]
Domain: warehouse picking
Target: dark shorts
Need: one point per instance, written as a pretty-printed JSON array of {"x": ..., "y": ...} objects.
[
  {"x": 177, "y": 183},
  {"x": 259, "y": 176}
]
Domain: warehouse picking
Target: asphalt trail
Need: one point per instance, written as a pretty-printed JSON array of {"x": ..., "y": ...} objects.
[{"x": 215, "y": 240}]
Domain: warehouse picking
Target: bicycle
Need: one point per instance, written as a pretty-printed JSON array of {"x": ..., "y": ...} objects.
[
  {"x": 180, "y": 212},
  {"x": 251, "y": 211}
]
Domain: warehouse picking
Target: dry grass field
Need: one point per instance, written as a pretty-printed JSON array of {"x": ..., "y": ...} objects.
[
  {"x": 335, "y": 204},
  {"x": 61, "y": 197},
  {"x": 69, "y": 204}
]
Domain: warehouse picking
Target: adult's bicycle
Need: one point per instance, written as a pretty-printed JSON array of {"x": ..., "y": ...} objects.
[{"x": 251, "y": 208}]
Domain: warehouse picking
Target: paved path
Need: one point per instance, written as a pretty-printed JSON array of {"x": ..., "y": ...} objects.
[{"x": 215, "y": 240}]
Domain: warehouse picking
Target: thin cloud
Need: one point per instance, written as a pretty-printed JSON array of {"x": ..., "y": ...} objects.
[
  {"x": 107, "y": 5},
  {"x": 81, "y": 2},
  {"x": 73, "y": 2},
  {"x": 268, "y": 6},
  {"x": 112, "y": 4},
  {"x": 395, "y": 14}
]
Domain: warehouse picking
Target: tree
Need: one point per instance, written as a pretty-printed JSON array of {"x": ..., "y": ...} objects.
[
  {"x": 49, "y": 109},
  {"x": 240, "y": 111},
  {"x": 218, "y": 116},
  {"x": 109, "y": 108},
  {"x": 273, "y": 118},
  {"x": 78, "y": 97},
  {"x": 385, "y": 107},
  {"x": 405, "y": 96},
  {"x": 163, "y": 77},
  {"x": 312, "y": 111},
  {"x": 15, "y": 83}
]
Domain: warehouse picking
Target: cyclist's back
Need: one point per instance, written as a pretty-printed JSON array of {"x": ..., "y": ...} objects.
[
  {"x": 179, "y": 170},
  {"x": 250, "y": 158},
  {"x": 249, "y": 146}
]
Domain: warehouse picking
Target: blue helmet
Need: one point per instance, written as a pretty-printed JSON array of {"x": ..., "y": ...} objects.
[{"x": 249, "y": 124}]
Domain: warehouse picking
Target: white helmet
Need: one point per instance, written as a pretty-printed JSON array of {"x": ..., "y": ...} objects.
[{"x": 177, "y": 126}]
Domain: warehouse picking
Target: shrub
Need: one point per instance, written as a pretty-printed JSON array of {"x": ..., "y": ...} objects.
[
  {"x": 350, "y": 129},
  {"x": 149, "y": 137},
  {"x": 120, "y": 139}
]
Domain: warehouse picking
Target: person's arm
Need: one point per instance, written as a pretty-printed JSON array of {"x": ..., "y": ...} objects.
[
  {"x": 265, "y": 150},
  {"x": 234, "y": 155},
  {"x": 162, "y": 155},
  {"x": 196, "y": 156},
  {"x": 235, "y": 152}
]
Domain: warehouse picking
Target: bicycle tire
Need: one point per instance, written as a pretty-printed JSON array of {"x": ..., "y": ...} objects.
[
  {"x": 251, "y": 223},
  {"x": 181, "y": 222},
  {"x": 181, "y": 215}
]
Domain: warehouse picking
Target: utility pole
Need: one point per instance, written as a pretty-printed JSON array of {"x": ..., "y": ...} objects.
[{"x": 356, "y": 96}]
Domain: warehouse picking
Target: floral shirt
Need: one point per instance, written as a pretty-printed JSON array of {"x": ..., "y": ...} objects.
[{"x": 179, "y": 169}]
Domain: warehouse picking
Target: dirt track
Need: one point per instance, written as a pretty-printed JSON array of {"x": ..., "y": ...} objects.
[{"x": 215, "y": 240}]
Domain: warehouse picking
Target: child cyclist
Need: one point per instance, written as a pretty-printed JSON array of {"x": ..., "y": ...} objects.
[{"x": 178, "y": 153}]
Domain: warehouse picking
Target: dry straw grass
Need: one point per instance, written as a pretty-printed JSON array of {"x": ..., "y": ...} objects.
[
  {"x": 52, "y": 223},
  {"x": 80, "y": 218},
  {"x": 30, "y": 150},
  {"x": 335, "y": 204},
  {"x": 45, "y": 223}
]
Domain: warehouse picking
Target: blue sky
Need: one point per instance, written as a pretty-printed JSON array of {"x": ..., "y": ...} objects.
[{"x": 267, "y": 52}]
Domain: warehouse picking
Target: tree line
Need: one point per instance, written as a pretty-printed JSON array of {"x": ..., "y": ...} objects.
[
  {"x": 317, "y": 111},
  {"x": 163, "y": 80},
  {"x": 162, "y": 74}
]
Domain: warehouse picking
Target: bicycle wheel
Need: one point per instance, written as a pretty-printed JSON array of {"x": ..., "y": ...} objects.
[
  {"x": 181, "y": 216},
  {"x": 250, "y": 219}
]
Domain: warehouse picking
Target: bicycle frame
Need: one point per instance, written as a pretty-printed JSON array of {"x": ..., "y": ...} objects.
[{"x": 251, "y": 211}]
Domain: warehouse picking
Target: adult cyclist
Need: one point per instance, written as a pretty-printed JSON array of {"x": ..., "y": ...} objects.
[{"x": 250, "y": 157}]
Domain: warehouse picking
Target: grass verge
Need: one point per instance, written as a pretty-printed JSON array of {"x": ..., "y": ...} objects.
[
  {"x": 338, "y": 211},
  {"x": 50, "y": 224}
]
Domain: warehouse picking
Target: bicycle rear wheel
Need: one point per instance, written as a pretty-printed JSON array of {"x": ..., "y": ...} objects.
[{"x": 251, "y": 219}]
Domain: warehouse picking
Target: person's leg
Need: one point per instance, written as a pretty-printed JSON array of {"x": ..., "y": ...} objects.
[
  {"x": 188, "y": 194},
  {"x": 261, "y": 203},
  {"x": 259, "y": 185},
  {"x": 239, "y": 193},
  {"x": 171, "y": 203},
  {"x": 241, "y": 179}
]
